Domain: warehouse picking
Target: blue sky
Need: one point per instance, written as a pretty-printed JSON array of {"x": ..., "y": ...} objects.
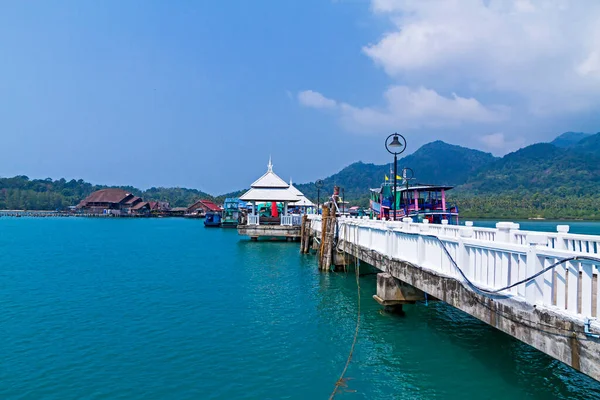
[{"x": 200, "y": 93}]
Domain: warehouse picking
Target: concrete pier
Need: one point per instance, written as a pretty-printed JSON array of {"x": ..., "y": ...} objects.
[
  {"x": 555, "y": 309},
  {"x": 270, "y": 231}
]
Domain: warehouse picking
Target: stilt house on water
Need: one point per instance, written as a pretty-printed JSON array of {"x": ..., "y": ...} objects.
[
  {"x": 201, "y": 207},
  {"x": 113, "y": 201}
]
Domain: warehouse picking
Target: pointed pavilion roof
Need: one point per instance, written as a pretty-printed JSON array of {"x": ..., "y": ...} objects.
[
  {"x": 303, "y": 201},
  {"x": 270, "y": 179},
  {"x": 269, "y": 187}
]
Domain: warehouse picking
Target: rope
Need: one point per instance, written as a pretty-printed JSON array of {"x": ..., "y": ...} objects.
[{"x": 341, "y": 381}]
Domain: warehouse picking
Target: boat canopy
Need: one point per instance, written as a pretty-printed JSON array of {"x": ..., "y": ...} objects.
[{"x": 424, "y": 188}]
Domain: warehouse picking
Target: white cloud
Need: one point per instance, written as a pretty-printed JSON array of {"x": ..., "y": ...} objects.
[
  {"x": 545, "y": 51},
  {"x": 312, "y": 99},
  {"x": 407, "y": 108},
  {"x": 515, "y": 65},
  {"x": 497, "y": 143}
]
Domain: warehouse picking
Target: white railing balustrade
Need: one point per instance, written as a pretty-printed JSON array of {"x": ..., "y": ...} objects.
[
  {"x": 491, "y": 259},
  {"x": 253, "y": 219},
  {"x": 286, "y": 220}
]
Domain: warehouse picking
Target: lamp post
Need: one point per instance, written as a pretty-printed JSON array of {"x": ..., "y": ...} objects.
[
  {"x": 395, "y": 147},
  {"x": 343, "y": 203},
  {"x": 319, "y": 185}
]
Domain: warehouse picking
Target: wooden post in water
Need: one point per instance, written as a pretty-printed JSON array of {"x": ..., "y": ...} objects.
[
  {"x": 327, "y": 239},
  {"x": 324, "y": 225},
  {"x": 307, "y": 236},
  {"x": 304, "y": 235}
]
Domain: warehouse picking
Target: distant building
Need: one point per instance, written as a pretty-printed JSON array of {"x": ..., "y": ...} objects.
[
  {"x": 202, "y": 207},
  {"x": 113, "y": 201},
  {"x": 177, "y": 211},
  {"x": 159, "y": 206}
]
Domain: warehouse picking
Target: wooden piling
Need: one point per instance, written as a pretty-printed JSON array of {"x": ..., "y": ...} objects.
[
  {"x": 305, "y": 248},
  {"x": 304, "y": 235},
  {"x": 327, "y": 238}
]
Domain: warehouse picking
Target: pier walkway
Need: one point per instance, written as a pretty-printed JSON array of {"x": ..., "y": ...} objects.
[{"x": 542, "y": 288}]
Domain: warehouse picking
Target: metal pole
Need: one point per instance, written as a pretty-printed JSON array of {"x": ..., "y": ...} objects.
[
  {"x": 318, "y": 201},
  {"x": 395, "y": 182},
  {"x": 343, "y": 203}
]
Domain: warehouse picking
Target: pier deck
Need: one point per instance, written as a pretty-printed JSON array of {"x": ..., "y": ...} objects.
[{"x": 556, "y": 312}]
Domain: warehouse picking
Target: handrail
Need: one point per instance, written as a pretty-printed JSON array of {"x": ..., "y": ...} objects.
[{"x": 492, "y": 258}]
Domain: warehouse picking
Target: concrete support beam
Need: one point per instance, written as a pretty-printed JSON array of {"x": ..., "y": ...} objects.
[
  {"x": 542, "y": 328},
  {"x": 391, "y": 291}
]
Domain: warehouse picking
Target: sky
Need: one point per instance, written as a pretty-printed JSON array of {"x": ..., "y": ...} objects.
[{"x": 200, "y": 94}]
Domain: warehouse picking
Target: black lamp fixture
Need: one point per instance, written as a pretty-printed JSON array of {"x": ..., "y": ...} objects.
[
  {"x": 319, "y": 184},
  {"x": 396, "y": 146}
]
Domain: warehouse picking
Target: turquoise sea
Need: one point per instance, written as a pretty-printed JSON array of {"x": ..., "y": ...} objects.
[{"x": 166, "y": 309}]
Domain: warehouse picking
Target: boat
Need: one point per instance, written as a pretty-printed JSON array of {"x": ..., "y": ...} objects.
[
  {"x": 232, "y": 212},
  {"x": 212, "y": 220},
  {"x": 419, "y": 202}
]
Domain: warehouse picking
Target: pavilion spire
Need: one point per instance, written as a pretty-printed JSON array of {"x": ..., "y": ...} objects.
[{"x": 270, "y": 165}]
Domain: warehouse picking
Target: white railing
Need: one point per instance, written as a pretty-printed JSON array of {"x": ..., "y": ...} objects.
[
  {"x": 287, "y": 220},
  {"x": 491, "y": 258},
  {"x": 253, "y": 219}
]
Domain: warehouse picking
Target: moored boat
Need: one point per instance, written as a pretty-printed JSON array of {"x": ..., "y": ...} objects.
[
  {"x": 232, "y": 212},
  {"x": 419, "y": 202},
  {"x": 212, "y": 219}
]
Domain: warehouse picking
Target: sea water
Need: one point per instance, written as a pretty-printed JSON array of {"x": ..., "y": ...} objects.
[{"x": 167, "y": 309}]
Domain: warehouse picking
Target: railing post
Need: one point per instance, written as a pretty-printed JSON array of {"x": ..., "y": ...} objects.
[
  {"x": 406, "y": 221},
  {"x": 513, "y": 229},
  {"x": 534, "y": 288},
  {"x": 444, "y": 225},
  {"x": 561, "y": 240},
  {"x": 423, "y": 230},
  {"x": 503, "y": 234},
  {"x": 464, "y": 263}
]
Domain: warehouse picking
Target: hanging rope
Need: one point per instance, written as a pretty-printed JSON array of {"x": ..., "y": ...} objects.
[{"x": 341, "y": 382}]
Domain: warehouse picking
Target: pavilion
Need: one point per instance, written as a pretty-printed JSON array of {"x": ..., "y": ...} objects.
[
  {"x": 269, "y": 188},
  {"x": 303, "y": 202}
]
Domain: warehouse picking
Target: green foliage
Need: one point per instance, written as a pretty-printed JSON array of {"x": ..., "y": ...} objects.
[
  {"x": 20, "y": 192},
  {"x": 541, "y": 180},
  {"x": 435, "y": 162}
]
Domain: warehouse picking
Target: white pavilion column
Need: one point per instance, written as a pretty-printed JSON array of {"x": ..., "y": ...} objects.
[
  {"x": 285, "y": 208},
  {"x": 254, "y": 208}
]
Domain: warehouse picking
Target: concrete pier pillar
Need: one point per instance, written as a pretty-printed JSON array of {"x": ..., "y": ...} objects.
[{"x": 393, "y": 293}]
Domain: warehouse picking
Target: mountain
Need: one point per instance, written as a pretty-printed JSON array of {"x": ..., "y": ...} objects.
[
  {"x": 589, "y": 144},
  {"x": 437, "y": 162},
  {"x": 569, "y": 139},
  {"x": 552, "y": 180},
  {"x": 539, "y": 168}
]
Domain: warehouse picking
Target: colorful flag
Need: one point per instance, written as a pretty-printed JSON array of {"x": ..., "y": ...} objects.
[{"x": 386, "y": 178}]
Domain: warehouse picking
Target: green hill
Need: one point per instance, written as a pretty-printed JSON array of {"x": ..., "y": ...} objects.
[
  {"x": 560, "y": 179},
  {"x": 569, "y": 139},
  {"x": 20, "y": 192},
  {"x": 435, "y": 162}
]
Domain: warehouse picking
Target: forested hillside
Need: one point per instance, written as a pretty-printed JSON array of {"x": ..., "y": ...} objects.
[
  {"x": 560, "y": 179},
  {"x": 435, "y": 162},
  {"x": 20, "y": 192}
]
